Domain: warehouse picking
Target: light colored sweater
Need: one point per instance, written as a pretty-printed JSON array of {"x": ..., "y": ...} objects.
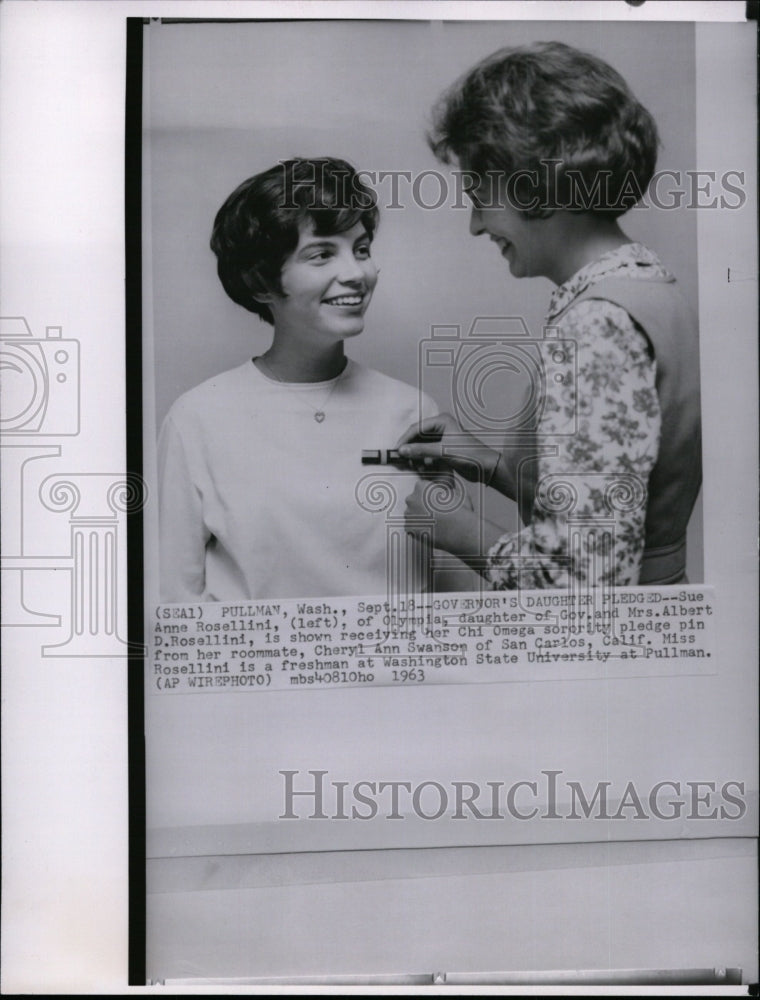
[{"x": 259, "y": 499}]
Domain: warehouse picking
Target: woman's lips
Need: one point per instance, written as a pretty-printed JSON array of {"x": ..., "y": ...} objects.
[
  {"x": 503, "y": 245},
  {"x": 345, "y": 301}
]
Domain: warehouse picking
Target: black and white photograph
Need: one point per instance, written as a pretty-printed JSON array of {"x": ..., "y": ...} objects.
[
  {"x": 425, "y": 589},
  {"x": 398, "y": 475},
  {"x": 283, "y": 433}
]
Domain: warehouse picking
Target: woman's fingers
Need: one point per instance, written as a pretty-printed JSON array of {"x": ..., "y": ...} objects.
[
  {"x": 426, "y": 455},
  {"x": 430, "y": 427},
  {"x": 452, "y": 448},
  {"x": 474, "y": 465}
]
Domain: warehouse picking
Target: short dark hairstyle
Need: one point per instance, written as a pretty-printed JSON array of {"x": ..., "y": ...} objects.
[
  {"x": 560, "y": 126},
  {"x": 258, "y": 226}
]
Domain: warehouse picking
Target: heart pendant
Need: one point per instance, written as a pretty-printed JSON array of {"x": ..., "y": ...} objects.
[{"x": 319, "y": 416}]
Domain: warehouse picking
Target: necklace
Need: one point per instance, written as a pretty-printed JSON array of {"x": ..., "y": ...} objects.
[{"x": 319, "y": 414}]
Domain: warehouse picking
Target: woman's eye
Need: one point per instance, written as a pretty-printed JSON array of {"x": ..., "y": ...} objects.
[
  {"x": 321, "y": 255},
  {"x": 363, "y": 252}
]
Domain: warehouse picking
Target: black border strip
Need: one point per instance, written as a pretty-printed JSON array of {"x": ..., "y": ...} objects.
[{"x": 133, "y": 356}]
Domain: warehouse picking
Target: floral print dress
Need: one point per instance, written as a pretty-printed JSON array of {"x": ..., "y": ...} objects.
[{"x": 599, "y": 434}]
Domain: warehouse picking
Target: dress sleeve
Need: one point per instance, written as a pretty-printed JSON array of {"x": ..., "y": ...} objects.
[
  {"x": 598, "y": 437},
  {"x": 182, "y": 532}
]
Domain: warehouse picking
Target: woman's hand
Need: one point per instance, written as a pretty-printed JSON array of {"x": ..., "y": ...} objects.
[
  {"x": 440, "y": 499},
  {"x": 440, "y": 443}
]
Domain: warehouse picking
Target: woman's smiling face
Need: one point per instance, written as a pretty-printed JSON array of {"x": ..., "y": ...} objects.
[
  {"x": 327, "y": 283},
  {"x": 532, "y": 246},
  {"x": 529, "y": 246}
]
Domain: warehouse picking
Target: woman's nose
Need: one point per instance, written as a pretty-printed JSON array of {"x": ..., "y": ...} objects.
[{"x": 351, "y": 269}]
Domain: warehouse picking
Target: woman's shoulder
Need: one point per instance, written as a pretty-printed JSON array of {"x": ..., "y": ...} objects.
[
  {"x": 214, "y": 393},
  {"x": 387, "y": 393},
  {"x": 590, "y": 323},
  {"x": 592, "y": 309},
  {"x": 631, "y": 265},
  {"x": 377, "y": 381}
]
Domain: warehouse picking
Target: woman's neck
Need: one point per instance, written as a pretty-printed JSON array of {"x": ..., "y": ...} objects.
[
  {"x": 585, "y": 243},
  {"x": 291, "y": 363}
]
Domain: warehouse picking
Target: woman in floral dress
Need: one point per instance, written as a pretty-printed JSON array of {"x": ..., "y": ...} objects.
[{"x": 557, "y": 149}]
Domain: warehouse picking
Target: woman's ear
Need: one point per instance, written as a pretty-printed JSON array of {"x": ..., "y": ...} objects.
[{"x": 257, "y": 289}]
